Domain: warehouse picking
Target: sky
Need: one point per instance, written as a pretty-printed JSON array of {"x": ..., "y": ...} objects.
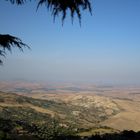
[{"x": 105, "y": 49}]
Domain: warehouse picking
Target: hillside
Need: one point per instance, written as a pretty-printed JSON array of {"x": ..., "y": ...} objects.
[
  {"x": 121, "y": 112},
  {"x": 26, "y": 118},
  {"x": 83, "y": 111},
  {"x": 77, "y": 113},
  {"x": 47, "y": 118}
]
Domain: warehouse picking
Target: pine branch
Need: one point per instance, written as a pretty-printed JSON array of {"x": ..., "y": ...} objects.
[
  {"x": 62, "y": 6},
  {"x": 7, "y": 42},
  {"x": 19, "y": 2}
]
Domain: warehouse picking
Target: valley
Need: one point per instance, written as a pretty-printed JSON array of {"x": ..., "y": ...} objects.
[{"x": 81, "y": 110}]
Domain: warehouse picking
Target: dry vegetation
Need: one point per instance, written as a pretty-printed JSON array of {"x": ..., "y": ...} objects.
[{"x": 115, "y": 108}]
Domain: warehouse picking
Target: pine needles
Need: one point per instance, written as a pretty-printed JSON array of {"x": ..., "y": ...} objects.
[{"x": 7, "y": 42}]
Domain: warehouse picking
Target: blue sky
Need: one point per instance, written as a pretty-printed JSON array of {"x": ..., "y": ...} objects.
[{"x": 105, "y": 49}]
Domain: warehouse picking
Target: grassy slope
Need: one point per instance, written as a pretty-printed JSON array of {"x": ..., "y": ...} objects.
[
  {"x": 79, "y": 112},
  {"x": 76, "y": 111}
]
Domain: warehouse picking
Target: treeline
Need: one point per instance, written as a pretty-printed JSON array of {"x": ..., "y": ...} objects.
[
  {"x": 22, "y": 130},
  {"x": 124, "y": 135}
]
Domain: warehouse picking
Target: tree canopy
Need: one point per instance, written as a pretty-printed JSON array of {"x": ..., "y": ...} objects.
[{"x": 56, "y": 7}]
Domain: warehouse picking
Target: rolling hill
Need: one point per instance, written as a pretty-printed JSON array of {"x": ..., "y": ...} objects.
[{"x": 74, "y": 110}]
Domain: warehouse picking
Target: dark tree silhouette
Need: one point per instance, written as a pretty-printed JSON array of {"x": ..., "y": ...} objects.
[
  {"x": 56, "y": 7},
  {"x": 61, "y": 6},
  {"x": 7, "y": 42}
]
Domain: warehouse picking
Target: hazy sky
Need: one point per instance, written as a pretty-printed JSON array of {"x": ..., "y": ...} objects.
[{"x": 105, "y": 49}]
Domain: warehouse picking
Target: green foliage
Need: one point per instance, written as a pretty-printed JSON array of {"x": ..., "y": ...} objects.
[
  {"x": 26, "y": 121},
  {"x": 52, "y": 130},
  {"x": 4, "y": 136}
]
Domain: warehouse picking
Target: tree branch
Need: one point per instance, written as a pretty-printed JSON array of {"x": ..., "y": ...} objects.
[
  {"x": 61, "y": 6},
  {"x": 7, "y": 42}
]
